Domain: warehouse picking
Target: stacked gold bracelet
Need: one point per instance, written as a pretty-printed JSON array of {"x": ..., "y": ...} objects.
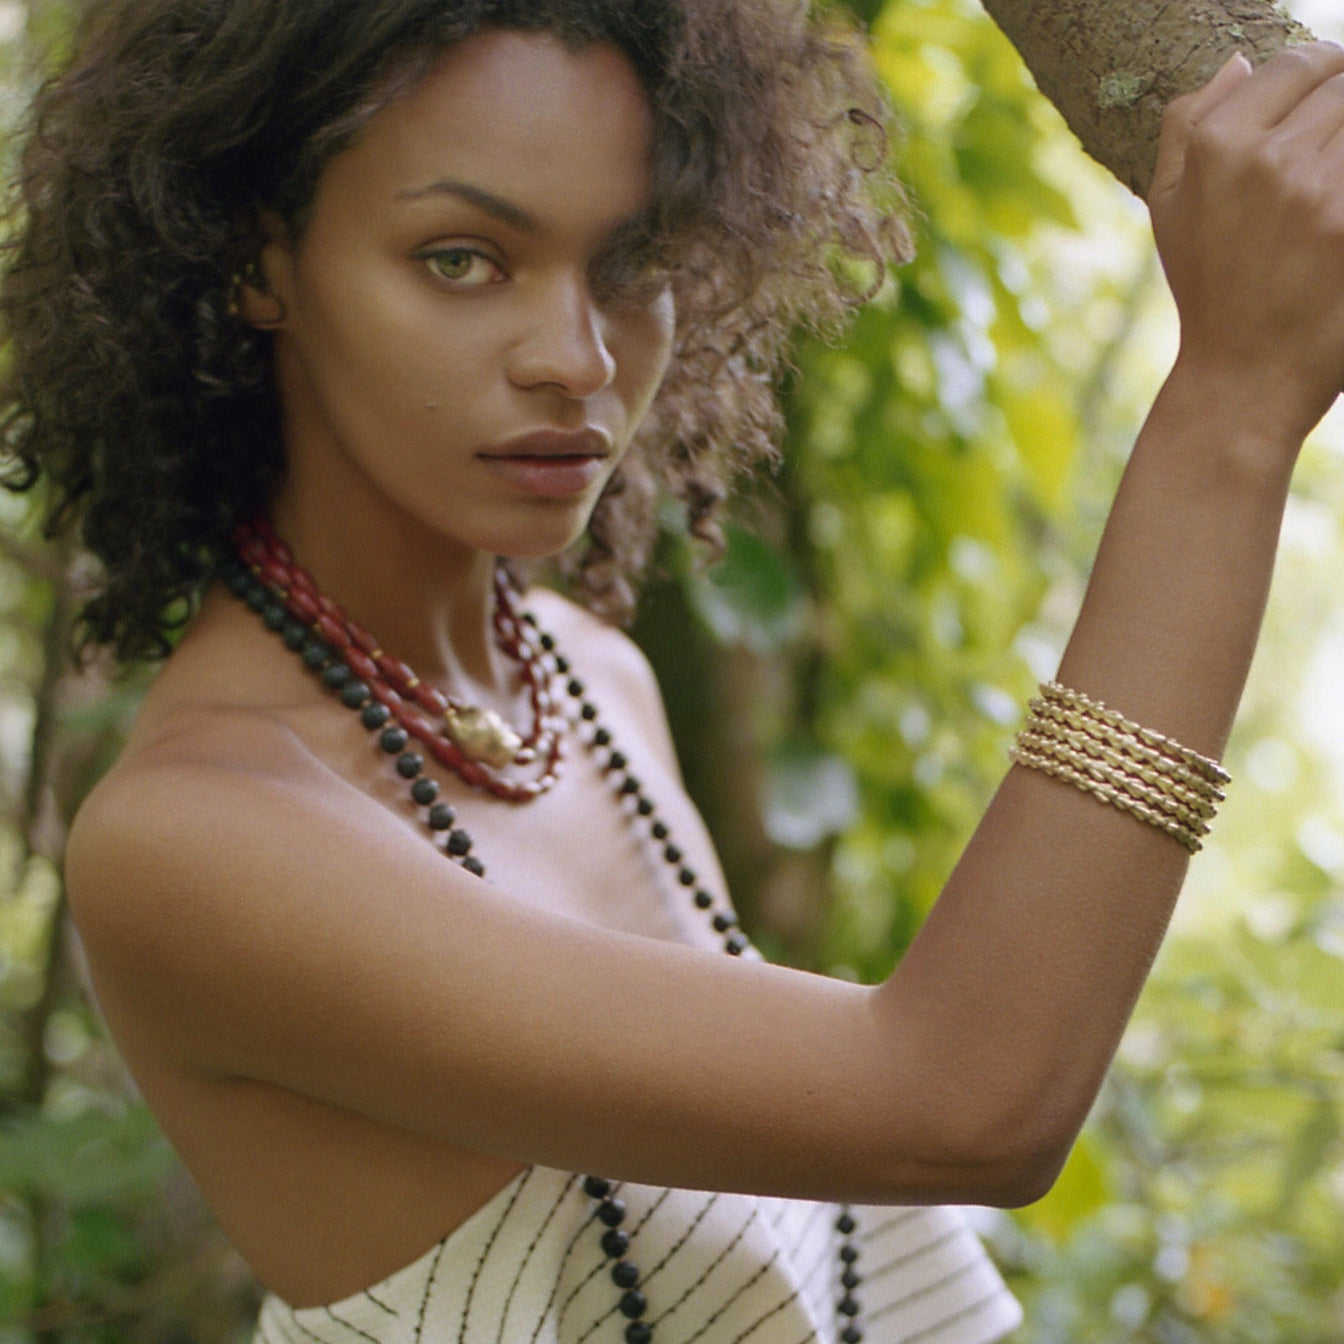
[{"x": 1084, "y": 743}]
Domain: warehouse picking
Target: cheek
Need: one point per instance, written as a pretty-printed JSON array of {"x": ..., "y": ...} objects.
[
  {"x": 383, "y": 348},
  {"x": 653, "y": 335},
  {"x": 664, "y": 315}
]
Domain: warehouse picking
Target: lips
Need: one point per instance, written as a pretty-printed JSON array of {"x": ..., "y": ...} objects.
[
  {"x": 551, "y": 463},
  {"x": 554, "y": 443}
]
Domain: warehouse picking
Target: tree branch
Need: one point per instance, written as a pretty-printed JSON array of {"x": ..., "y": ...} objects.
[{"x": 1111, "y": 69}]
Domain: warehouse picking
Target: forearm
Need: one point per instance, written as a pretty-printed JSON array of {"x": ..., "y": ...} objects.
[
  {"x": 1177, "y": 595},
  {"x": 1037, "y": 949}
]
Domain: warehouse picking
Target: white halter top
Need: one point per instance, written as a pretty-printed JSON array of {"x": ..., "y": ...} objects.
[{"x": 528, "y": 1268}]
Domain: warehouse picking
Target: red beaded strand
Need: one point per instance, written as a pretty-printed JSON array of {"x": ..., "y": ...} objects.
[{"x": 417, "y": 707}]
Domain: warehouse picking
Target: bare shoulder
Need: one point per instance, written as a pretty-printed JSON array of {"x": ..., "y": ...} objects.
[
  {"x": 221, "y": 876},
  {"x": 200, "y": 782},
  {"x": 216, "y": 795},
  {"x": 604, "y": 650},
  {"x": 214, "y": 758},
  {"x": 611, "y": 661}
]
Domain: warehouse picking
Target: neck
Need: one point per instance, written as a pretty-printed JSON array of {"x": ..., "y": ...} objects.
[{"x": 429, "y": 602}]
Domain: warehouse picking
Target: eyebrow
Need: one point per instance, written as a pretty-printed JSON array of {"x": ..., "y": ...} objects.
[{"x": 506, "y": 211}]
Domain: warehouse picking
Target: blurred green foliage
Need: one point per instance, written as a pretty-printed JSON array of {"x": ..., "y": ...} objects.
[{"x": 843, "y": 688}]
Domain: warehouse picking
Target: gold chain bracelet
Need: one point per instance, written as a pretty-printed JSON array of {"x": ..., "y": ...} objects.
[{"x": 1085, "y": 743}]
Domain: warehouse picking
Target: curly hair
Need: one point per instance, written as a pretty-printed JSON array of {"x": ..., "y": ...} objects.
[{"x": 149, "y": 159}]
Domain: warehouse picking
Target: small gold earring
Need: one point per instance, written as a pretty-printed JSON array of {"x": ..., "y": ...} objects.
[
  {"x": 250, "y": 277},
  {"x": 234, "y": 306}
]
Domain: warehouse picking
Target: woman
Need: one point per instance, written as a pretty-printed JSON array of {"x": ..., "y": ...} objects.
[{"x": 417, "y": 286}]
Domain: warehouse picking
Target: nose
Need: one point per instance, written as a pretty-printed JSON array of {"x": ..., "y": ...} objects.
[{"x": 566, "y": 344}]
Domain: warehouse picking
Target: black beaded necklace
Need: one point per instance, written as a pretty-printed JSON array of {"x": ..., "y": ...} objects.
[{"x": 324, "y": 661}]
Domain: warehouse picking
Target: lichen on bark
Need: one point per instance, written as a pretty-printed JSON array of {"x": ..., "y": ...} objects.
[
  {"x": 1123, "y": 88},
  {"x": 1111, "y": 68}
]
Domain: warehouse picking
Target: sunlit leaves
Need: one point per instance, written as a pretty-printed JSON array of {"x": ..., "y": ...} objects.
[
  {"x": 810, "y": 796},
  {"x": 926, "y": 457},
  {"x": 91, "y": 1158}
]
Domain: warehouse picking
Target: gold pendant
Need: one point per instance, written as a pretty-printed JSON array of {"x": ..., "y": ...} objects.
[{"x": 482, "y": 736}]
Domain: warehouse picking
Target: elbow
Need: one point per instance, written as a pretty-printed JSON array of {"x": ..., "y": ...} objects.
[
  {"x": 1028, "y": 1142},
  {"x": 1001, "y": 1170},
  {"x": 1008, "y": 1162},
  {"x": 992, "y": 1126},
  {"x": 997, "y": 1180},
  {"x": 1010, "y": 1180},
  {"x": 1023, "y": 1180}
]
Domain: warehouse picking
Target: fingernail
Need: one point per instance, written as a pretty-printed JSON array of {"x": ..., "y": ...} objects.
[{"x": 1235, "y": 65}]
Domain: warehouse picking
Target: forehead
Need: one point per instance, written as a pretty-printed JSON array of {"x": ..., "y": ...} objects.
[{"x": 550, "y": 126}]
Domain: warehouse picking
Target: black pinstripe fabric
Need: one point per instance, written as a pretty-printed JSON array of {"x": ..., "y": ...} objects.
[{"x": 717, "y": 1269}]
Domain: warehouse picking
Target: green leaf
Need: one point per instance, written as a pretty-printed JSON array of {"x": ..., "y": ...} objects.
[
  {"x": 92, "y": 1157},
  {"x": 752, "y": 597},
  {"x": 810, "y": 795},
  {"x": 1083, "y": 1187}
]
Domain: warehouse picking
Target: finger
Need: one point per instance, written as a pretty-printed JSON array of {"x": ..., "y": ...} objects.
[
  {"x": 1332, "y": 157},
  {"x": 1185, "y": 113},
  {"x": 1229, "y": 78},
  {"x": 1319, "y": 117},
  {"x": 1280, "y": 86}
]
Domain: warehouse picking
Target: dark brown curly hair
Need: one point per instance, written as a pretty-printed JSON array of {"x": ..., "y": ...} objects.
[{"x": 148, "y": 162}]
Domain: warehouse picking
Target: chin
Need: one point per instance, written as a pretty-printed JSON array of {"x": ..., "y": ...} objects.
[{"x": 538, "y": 542}]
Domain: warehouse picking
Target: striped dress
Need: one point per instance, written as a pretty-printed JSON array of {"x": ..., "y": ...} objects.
[{"x": 529, "y": 1268}]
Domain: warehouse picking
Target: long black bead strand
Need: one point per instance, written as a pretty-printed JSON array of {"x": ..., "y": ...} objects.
[
  {"x": 339, "y": 679},
  {"x": 848, "y": 1307},
  {"x": 624, "y": 1274},
  {"x": 631, "y": 792},
  {"x": 439, "y": 817}
]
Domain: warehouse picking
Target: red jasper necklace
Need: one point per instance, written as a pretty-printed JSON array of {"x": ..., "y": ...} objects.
[{"x": 474, "y": 743}]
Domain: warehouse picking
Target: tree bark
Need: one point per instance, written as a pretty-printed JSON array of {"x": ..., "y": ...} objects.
[{"x": 1112, "y": 66}]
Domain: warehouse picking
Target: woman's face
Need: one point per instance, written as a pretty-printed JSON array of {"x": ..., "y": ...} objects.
[{"x": 442, "y": 358}]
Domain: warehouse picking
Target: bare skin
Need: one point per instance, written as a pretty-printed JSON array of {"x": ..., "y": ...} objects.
[{"x": 354, "y": 1044}]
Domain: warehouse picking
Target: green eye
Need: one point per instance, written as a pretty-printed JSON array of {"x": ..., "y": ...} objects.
[{"x": 459, "y": 265}]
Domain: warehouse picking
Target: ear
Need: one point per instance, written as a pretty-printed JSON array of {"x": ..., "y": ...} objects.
[{"x": 259, "y": 288}]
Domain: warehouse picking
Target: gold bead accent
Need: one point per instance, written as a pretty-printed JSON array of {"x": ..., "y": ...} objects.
[{"x": 482, "y": 736}]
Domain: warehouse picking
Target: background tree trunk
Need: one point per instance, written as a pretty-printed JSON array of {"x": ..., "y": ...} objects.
[{"x": 1112, "y": 66}]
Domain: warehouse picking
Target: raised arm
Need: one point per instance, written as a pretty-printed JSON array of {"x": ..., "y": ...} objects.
[{"x": 1060, "y": 900}]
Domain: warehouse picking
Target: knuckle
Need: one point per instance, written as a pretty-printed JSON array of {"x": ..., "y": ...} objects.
[
  {"x": 1317, "y": 58},
  {"x": 1300, "y": 195},
  {"x": 1304, "y": 199},
  {"x": 1294, "y": 58},
  {"x": 1332, "y": 224},
  {"x": 1326, "y": 53},
  {"x": 1271, "y": 159},
  {"x": 1275, "y": 173},
  {"x": 1330, "y": 208},
  {"x": 1209, "y": 141},
  {"x": 1307, "y": 57}
]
